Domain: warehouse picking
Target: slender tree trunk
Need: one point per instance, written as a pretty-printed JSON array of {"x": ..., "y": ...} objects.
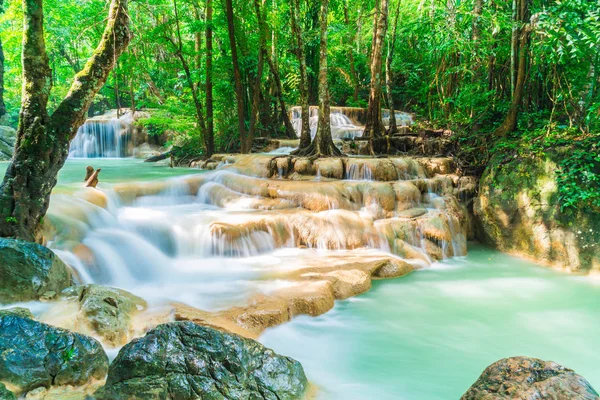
[
  {"x": 523, "y": 33},
  {"x": 188, "y": 75},
  {"x": 239, "y": 89},
  {"x": 305, "y": 136},
  {"x": 262, "y": 50},
  {"x": 393, "y": 128},
  {"x": 350, "y": 52},
  {"x": 209, "y": 137},
  {"x": 374, "y": 124},
  {"x": 43, "y": 140},
  {"x": 322, "y": 145},
  {"x": 2, "y": 105}
]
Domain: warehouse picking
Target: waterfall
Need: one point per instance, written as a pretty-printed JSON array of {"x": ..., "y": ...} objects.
[
  {"x": 104, "y": 136},
  {"x": 346, "y": 122}
]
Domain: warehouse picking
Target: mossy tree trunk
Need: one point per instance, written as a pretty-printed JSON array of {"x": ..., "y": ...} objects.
[
  {"x": 374, "y": 125},
  {"x": 43, "y": 140},
  {"x": 322, "y": 145},
  {"x": 2, "y": 105},
  {"x": 305, "y": 137},
  {"x": 521, "y": 49}
]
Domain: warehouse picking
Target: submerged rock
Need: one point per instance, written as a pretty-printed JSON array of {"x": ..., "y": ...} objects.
[
  {"x": 29, "y": 271},
  {"x": 187, "y": 361},
  {"x": 33, "y": 355},
  {"x": 106, "y": 311},
  {"x": 525, "y": 378}
]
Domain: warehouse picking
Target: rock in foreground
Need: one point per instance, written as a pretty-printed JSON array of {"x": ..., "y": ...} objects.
[
  {"x": 524, "y": 378},
  {"x": 29, "y": 271},
  {"x": 182, "y": 360},
  {"x": 33, "y": 355}
]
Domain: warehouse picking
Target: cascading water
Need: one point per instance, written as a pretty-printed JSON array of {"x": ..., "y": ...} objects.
[
  {"x": 104, "y": 136},
  {"x": 346, "y": 122}
]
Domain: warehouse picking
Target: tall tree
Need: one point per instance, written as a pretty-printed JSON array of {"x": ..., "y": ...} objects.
[
  {"x": 350, "y": 44},
  {"x": 374, "y": 125},
  {"x": 210, "y": 123},
  {"x": 322, "y": 145},
  {"x": 305, "y": 137},
  {"x": 393, "y": 128},
  {"x": 521, "y": 34},
  {"x": 2, "y": 105},
  {"x": 42, "y": 139},
  {"x": 194, "y": 88},
  {"x": 239, "y": 88}
]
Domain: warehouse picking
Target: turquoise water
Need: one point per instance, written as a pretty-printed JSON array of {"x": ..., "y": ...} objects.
[
  {"x": 430, "y": 335},
  {"x": 114, "y": 170}
]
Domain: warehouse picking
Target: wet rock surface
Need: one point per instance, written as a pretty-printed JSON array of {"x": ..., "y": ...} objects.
[
  {"x": 29, "y": 271},
  {"x": 518, "y": 212},
  {"x": 34, "y": 355},
  {"x": 183, "y": 360},
  {"x": 106, "y": 311},
  {"x": 525, "y": 378},
  {"x": 8, "y": 137}
]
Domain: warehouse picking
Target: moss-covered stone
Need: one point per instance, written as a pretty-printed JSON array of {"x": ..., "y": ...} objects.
[
  {"x": 7, "y": 142},
  {"x": 28, "y": 271},
  {"x": 18, "y": 311},
  {"x": 107, "y": 311},
  {"x": 183, "y": 360},
  {"x": 518, "y": 211},
  {"x": 526, "y": 378},
  {"x": 33, "y": 355},
  {"x": 6, "y": 394}
]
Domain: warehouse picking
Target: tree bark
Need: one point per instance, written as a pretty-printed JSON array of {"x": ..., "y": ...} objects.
[
  {"x": 522, "y": 48},
  {"x": 374, "y": 124},
  {"x": 42, "y": 140},
  {"x": 393, "y": 128},
  {"x": 262, "y": 50},
  {"x": 2, "y": 104},
  {"x": 350, "y": 52},
  {"x": 305, "y": 137},
  {"x": 239, "y": 89},
  {"x": 322, "y": 145},
  {"x": 209, "y": 138},
  {"x": 188, "y": 75}
]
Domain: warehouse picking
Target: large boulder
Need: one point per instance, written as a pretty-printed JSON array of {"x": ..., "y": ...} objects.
[
  {"x": 33, "y": 355},
  {"x": 8, "y": 137},
  {"x": 524, "y": 378},
  {"x": 105, "y": 311},
  {"x": 518, "y": 212},
  {"x": 182, "y": 360},
  {"x": 29, "y": 271}
]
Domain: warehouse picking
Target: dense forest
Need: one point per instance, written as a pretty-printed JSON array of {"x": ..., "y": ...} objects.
[{"x": 228, "y": 69}]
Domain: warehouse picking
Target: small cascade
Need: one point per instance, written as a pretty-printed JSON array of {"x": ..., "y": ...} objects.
[
  {"x": 107, "y": 135},
  {"x": 346, "y": 122}
]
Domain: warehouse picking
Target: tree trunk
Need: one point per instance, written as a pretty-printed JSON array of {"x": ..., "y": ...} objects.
[
  {"x": 262, "y": 50},
  {"x": 188, "y": 75},
  {"x": 350, "y": 52},
  {"x": 43, "y": 140},
  {"x": 239, "y": 89},
  {"x": 209, "y": 137},
  {"x": 374, "y": 124},
  {"x": 393, "y": 128},
  {"x": 524, "y": 30},
  {"x": 305, "y": 136},
  {"x": 322, "y": 145},
  {"x": 2, "y": 105}
]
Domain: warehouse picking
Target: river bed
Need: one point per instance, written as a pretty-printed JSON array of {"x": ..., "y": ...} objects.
[{"x": 424, "y": 336}]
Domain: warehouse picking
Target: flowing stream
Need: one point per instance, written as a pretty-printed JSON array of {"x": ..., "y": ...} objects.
[{"x": 424, "y": 336}]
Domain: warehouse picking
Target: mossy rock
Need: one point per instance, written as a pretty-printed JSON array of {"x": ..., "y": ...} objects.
[
  {"x": 29, "y": 271},
  {"x": 33, "y": 355},
  {"x": 518, "y": 211},
  {"x": 182, "y": 360}
]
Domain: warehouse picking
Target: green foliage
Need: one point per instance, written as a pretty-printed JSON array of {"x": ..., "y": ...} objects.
[{"x": 11, "y": 220}]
